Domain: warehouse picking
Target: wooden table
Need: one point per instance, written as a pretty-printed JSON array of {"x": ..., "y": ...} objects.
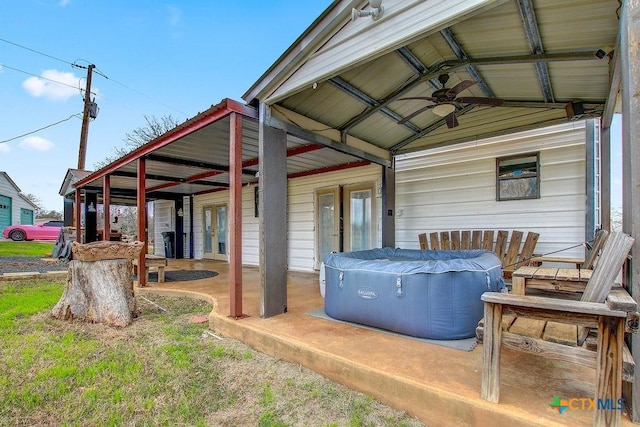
[
  {"x": 569, "y": 280},
  {"x": 155, "y": 261}
]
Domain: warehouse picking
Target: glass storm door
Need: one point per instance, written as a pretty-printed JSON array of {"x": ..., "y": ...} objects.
[
  {"x": 215, "y": 232},
  {"x": 328, "y": 223},
  {"x": 358, "y": 218}
]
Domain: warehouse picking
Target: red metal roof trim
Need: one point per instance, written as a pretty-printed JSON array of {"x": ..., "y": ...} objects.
[{"x": 211, "y": 115}]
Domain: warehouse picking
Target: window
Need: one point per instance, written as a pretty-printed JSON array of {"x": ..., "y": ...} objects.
[{"x": 518, "y": 177}]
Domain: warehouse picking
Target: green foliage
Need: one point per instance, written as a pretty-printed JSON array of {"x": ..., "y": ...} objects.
[
  {"x": 161, "y": 370},
  {"x": 34, "y": 249}
]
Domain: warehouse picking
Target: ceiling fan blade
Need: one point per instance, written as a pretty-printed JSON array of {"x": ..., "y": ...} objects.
[
  {"x": 496, "y": 102},
  {"x": 422, "y": 98},
  {"x": 460, "y": 87},
  {"x": 451, "y": 120},
  {"x": 415, "y": 113}
]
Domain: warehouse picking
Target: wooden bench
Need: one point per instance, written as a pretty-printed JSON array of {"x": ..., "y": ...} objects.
[
  {"x": 153, "y": 261},
  {"x": 507, "y": 249}
]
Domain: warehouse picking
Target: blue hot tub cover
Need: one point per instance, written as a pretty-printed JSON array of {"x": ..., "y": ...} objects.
[{"x": 427, "y": 294}]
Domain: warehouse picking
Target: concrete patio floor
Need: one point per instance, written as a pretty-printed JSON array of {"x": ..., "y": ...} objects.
[{"x": 438, "y": 385}]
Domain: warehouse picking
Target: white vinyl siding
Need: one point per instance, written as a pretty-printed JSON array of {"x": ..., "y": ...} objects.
[
  {"x": 455, "y": 189},
  {"x": 249, "y": 222},
  {"x": 163, "y": 214}
]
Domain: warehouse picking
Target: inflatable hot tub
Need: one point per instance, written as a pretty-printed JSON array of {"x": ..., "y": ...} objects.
[{"x": 425, "y": 294}]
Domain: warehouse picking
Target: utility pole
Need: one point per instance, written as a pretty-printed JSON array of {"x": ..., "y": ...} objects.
[{"x": 85, "y": 119}]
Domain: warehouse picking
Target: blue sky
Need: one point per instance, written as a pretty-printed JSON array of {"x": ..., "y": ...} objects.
[{"x": 161, "y": 58}]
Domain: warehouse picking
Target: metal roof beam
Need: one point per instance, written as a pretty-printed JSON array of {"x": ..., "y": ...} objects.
[
  {"x": 193, "y": 163},
  {"x": 124, "y": 174},
  {"x": 530, "y": 25},
  {"x": 461, "y": 54},
  {"x": 450, "y": 66},
  {"x": 325, "y": 141},
  {"x": 366, "y": 99},
  {"x": 427, "y": 130}
]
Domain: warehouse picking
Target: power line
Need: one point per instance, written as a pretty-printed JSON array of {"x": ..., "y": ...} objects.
[
  {"x": 74, "y": 64},
  {"x": 35, "y": 51},
  {"x": 42, "y": 128}
]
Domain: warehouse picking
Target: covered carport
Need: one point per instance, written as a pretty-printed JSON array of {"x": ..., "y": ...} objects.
[{"x": 217, "y": 150}]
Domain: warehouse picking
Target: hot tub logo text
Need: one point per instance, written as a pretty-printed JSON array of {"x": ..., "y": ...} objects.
[
  {"x": 586, "y": 404},
  {"x": 367, "y": 293}
]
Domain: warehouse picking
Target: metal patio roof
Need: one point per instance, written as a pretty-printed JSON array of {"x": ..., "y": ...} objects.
[
  {"x": 536, "y": 55},
  {"x": 193, "y": 158}
]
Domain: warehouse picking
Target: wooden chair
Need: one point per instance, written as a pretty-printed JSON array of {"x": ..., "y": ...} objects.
[
  {"x": 590, "y": 257},
  {"x": 600, "y": 307}
]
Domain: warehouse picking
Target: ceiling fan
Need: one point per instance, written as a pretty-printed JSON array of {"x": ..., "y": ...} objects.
[{"x": 445, "y": 100}]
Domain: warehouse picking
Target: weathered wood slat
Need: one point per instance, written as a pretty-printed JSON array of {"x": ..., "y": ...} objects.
[
  {"x": 619, "y": 299},
  {"x": 491, "y": 348},
  {"x": 527, "y": 271},
  {"x": 433, "y": 239},
  {"x": 476, "y": 239},
  {"x": 455, "y": 240},
  {"x": 422, "y": 238},
  {"x": 511, "y": 257},
  {"x": 592, "y": 255},
  {"x": 549, "y": 350},
  {"x": 487, "y": 240},
  {"x": 609, "y": 368},
  {"x": 550, "y": 304},
  {"x": 546, "y": 273},
  {"x": 569, "y": 274},
  {"x": 445, "y": 244},
  {"x": 501, "y": 243},
  {"x": 528, "y": 327},
  {"x": 561, "y": 333},
  {"x": 527, "y": 249},
  {"x": 466, "y": 240}
]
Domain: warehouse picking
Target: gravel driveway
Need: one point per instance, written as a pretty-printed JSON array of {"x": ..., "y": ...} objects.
[{"x": 23, "y": 264}]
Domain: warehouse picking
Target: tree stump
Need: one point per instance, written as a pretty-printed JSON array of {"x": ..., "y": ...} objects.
[{"x": 100, "y": 290}]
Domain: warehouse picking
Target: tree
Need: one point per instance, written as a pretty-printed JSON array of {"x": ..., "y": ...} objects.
[
  {"x": 36, "y": 201},
  {"x": 154, "y": 128}
]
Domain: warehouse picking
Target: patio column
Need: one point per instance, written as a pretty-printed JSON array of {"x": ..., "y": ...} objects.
[
  {"x": 90, "y": 217},
  {"x": 630, "y": 69},
  {"x": 388, "y": 207},
  {"x": 272, "y": 210},
  {"x": 141, "y": 202},
  {"x": 235, "y": 216},
  {"x": 106, "y": 206}
]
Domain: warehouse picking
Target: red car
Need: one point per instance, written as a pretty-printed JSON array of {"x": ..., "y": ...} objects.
[{"x": 46, "y": 231}]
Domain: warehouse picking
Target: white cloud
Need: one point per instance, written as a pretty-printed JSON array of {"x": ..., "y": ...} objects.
[
  {"x": 4, "y": 148},
  {"x": 53, "y": 84},
  {"x": 64, "y": 3},
  {"x": 35, "y": 143}
]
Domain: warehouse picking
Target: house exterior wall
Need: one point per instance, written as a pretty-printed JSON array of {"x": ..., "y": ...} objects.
[
  {"x": 163, "y": 214},
  {"x": 250, "y": 242},
  {"x": 300, "y": 216},
  {"x": 18, "y": 205},
  {"x": 455, "y": 188},
  {"x": 302, "y": 210}
]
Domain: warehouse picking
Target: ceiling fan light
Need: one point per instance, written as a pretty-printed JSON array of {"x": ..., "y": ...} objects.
[{"x": 443, "y": 110}]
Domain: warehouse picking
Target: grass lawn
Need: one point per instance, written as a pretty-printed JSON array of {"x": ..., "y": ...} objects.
[
  {"x": 34, "y": 249},
  {"x": 161, "y": 370}
]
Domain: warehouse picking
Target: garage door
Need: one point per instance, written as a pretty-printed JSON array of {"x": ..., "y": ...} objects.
[
  {"x": 5, "y": 212},
  {"x": 26, "y": 216}
]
